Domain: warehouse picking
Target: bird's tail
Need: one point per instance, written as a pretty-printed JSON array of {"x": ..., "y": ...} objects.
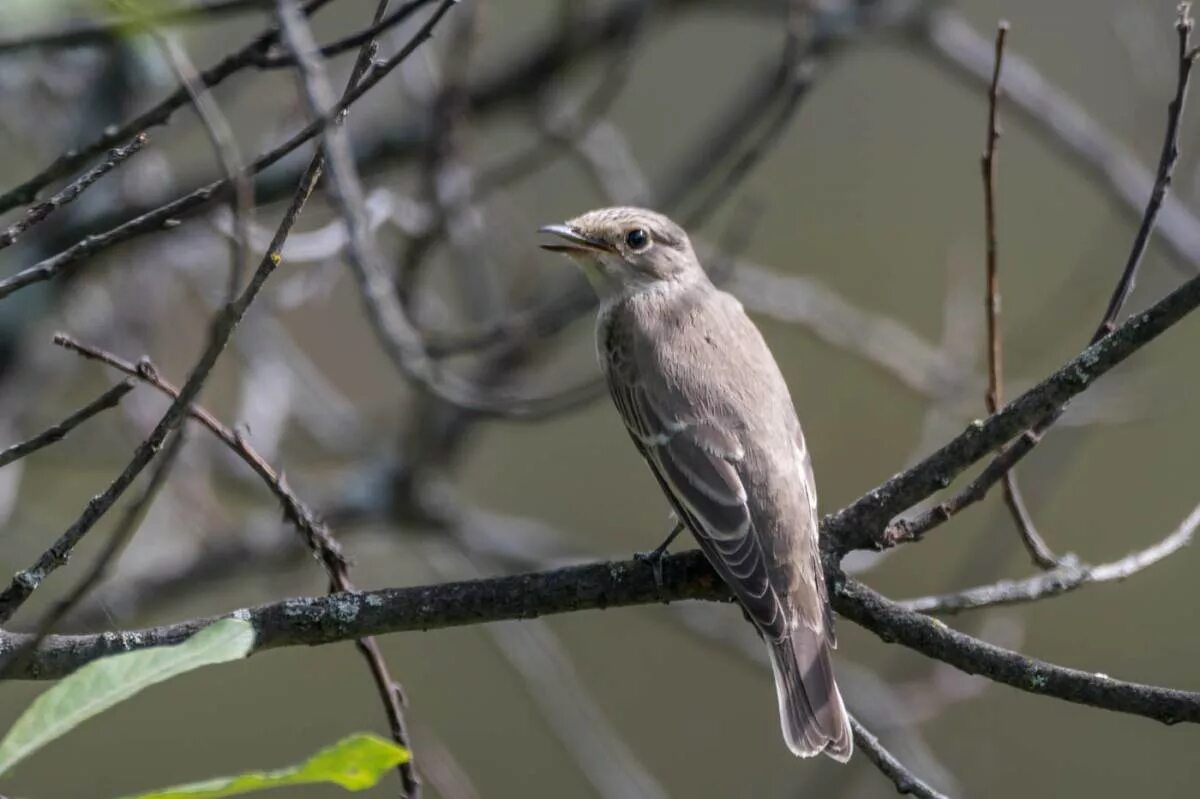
[{"x": 810, "y": 707}]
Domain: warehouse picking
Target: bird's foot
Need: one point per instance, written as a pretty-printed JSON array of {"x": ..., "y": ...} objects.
[{"x": 655, "y": 557}]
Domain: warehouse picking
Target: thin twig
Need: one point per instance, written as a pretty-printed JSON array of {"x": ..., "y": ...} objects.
[
  {"x": 905, "y": 781},
  {"x": 25, "y": 582},
  {"x": 1064, "y": 578},
  {"x": 155, "y": 116},
  {"x": 58, "y": 432},
  {"x": 944, "y": 35},
  {"x": 353, "y": 41},
  {"x": 168, "y": 214},
  {"x": 1162, "y": 179},
  {"x": 1001, "y": 464},
  {"x": 117, "y": 542},
  {"x": 1034, "y": 544},
  {"x": 72, "y": 190}
]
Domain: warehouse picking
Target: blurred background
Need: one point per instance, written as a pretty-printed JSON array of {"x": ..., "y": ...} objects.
[{"x": 838, "y": 196}]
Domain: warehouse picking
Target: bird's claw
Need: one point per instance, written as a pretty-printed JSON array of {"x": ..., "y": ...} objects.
[{"x": 654, "y": 558}]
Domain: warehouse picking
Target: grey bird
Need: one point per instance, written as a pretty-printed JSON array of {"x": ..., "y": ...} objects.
[{"x": 710, "y": 412}]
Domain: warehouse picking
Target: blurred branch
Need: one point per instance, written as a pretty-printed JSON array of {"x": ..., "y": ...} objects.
[
  {"x": 166, "y": 216},
  {"x": 25, "y": 582},
  {"x": 58, "y": 432},
  {"x": 905, "y": 781},
  {"x": 1000, "y": 465},
  {"x": 944, "y": 35},
  {"x": 159, "y": 114},
  {"x": 68, "y": 193},
  {"x": 1060, "y": 580},
  {"x": 224, "y": 144}
]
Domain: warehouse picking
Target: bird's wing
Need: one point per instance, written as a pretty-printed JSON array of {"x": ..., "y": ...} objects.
[{"x": 696, "y": 460}]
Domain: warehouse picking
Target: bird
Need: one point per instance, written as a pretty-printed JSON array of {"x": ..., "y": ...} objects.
[{"x": 706, "y": 405}]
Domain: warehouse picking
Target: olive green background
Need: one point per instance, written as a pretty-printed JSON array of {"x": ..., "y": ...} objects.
[{"x": 875, "y": 191}]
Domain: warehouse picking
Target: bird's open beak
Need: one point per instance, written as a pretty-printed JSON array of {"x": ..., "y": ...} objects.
[{"x": 575, "y": 242}]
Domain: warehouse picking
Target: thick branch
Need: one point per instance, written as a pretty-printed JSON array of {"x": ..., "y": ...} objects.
[{"x": 346, "y": 616}]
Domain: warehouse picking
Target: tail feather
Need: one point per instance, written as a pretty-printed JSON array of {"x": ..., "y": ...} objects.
[{"x": 810, "y": 707}]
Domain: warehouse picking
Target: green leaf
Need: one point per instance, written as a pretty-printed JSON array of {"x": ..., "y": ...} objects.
[
  {"x": 105, "y": 682},
  {"x": 355, "y": 763}
]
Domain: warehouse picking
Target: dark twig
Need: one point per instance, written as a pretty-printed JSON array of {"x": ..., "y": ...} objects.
[
  {"x": 1162, "y": 179},
  {"x": 945, "y": 36},
  {"x": 317, "y": 534},
  {"x": 130, "y": 521},
  {"x": 159, "y": 114},
  {"x": 398, "y": 337},
  {"x": 988, "y": 165},
  {"x": 25, "y": 582},
  {"x": 72, "y": 190},
  {"x": 58, "y": 432},
  {"x": 168, "y": 214},
  {"x": 1060, "y": 580},
  {"x": 347, "y": 43},
  {"x": 1001, "y": 464},
  {"x": 905, "y": 781},
  {"x": 1034, "y": 544}
]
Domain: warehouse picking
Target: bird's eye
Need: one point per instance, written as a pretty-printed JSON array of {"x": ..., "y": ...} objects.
[{"x": 637, "y": 239}]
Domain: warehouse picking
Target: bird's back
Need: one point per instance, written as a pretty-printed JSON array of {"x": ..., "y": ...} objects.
[{"x": 700, "y": 360}]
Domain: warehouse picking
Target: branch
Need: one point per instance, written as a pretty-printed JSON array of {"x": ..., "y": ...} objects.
[
  {"x": 894, "y": 624},
  {"x": 1066, "y": 577},
  {"x": 167, "y": 215},
  {"x": 1003, "y": 463},
  {"x": 310, "y": 621},
  {"x": 153, "y": 117},
  {"x": 944, "y": 36},
  {"x": 861, "y": 524},
  {"x": 905, "y": 781},
  {"x": 1034, "y": 544},
  {"x": 58, "y": 432},
  {"x": 72, "y": 190},
  {"x": 25, "y": 582}
]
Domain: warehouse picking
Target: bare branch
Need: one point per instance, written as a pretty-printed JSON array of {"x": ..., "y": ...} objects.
[
  {"x": 322, "y": 620},
  {"x": 1034, "y": 544},
  {"x": 861, "y": 524},
  {"x": 1003, "y": 463},
  {"x": 1066, "y": 577},
  {"x": 158, "y": 115},
  {"x": 58, "y": 432},
  {"x": 905, "y": 781},
  {"x": 25, "y": 582},
  {"x": 72, "y": 190},
  {"x": 168, "y": 215}
]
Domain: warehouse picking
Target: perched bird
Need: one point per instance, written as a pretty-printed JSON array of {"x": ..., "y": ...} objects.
[{"x": 708, "y": 408}]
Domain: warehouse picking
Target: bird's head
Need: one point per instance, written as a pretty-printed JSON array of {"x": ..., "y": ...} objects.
[{"x": 623, "y": 249}]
